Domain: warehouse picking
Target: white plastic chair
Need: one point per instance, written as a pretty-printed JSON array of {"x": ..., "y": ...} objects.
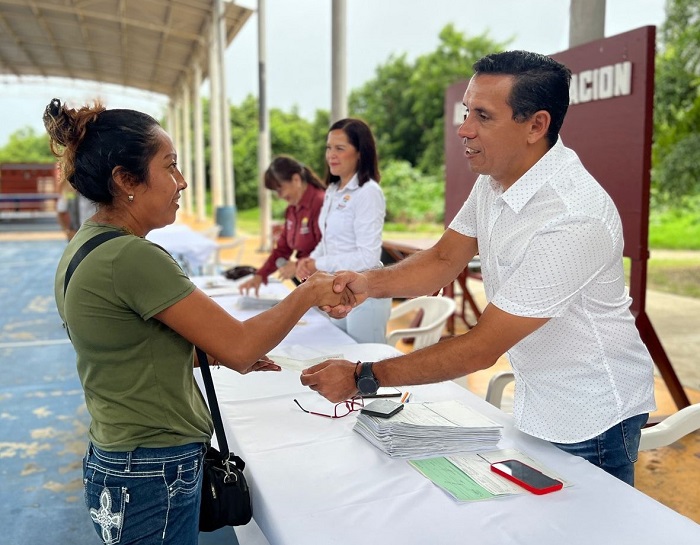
[
  {"x": 212, "y": 232},
  {"x": 666, "y": 432},
  {"x": 498, "y": 382},
  {"x": 436, "y": 311},
  {"x": 672, "y": 428},
  {"x": 217, "y": 264}
]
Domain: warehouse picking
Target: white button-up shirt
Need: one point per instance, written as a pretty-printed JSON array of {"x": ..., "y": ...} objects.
[
  {"x": 551, "y": 247},
  {"x": 351, "y": 221}
]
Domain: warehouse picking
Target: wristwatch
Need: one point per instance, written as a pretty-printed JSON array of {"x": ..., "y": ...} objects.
[{"x": 366, "y": 382}]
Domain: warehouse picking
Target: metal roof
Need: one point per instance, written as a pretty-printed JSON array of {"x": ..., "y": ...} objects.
[{"x": 145, "y": 44}]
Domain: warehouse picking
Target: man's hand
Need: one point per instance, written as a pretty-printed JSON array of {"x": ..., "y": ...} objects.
[
  {"x": 348, "y": 280},
  {"x": 333, "y": 379},
  {"x": 326, "y": 294}
]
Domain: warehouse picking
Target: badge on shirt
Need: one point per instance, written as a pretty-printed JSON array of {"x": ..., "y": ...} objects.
[
  {"x": 304, "y": 229},
  {"x": 344, "y": 202}
]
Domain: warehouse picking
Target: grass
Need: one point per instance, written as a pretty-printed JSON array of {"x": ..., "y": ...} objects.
[
  {"x": 678, "y": 275},
  {"x": 673, "y": 229}
]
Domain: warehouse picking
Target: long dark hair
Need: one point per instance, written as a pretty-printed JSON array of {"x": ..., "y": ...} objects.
[
  {"x": 91, "y": 141},
  {"x": 360, "y": 136},
  {"x": 283, "y": 167}
]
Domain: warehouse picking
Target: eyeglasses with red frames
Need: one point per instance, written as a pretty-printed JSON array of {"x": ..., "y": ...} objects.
[{"x": 341, "y": 409}]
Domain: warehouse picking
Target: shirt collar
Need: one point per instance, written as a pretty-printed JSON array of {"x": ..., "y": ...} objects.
[
  {"x": 520, "y": 193},
  {"x": 308, "y": 196},
  {"x": 353, "y": 184}
]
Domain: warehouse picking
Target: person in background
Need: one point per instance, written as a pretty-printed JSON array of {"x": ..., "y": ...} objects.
[
  {"x": 134, "y": 318},
  {"x": 301, "y": 188},
  {"x": 351, "y": 221},
  {"x": 72, "y": 209},
  {"x": 550, "y": 242}
]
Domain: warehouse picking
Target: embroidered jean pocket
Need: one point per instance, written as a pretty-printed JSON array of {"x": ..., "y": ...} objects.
[
  {"x": 184, "y": 479},
  {"x": 106, "y": 506}
]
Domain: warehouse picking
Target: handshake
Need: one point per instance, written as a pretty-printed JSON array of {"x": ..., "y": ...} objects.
[{"x": 337, "y": 294}]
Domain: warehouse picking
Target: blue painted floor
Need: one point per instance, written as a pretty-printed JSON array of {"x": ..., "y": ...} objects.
[{"x": 42, "y": 413}]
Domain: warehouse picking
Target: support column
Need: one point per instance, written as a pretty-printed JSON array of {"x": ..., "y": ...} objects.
[
  {"x": 215, "y": 161},
  {"x": 185, "y": 152},
  {"x": 225, "y": 213},
  {"x": 264, "y": 151},
  {"x": 200, "y": 181},
  {"x": 339, "y": 101},
  {"x": 586, "y": 21}
]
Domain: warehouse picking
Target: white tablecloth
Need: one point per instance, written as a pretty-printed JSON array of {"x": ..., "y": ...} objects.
[
  {"x": 189, "y": 247},
  {"x": 316, "y": 481}
]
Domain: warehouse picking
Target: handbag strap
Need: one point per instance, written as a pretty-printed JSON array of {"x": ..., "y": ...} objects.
[
  {"x": 213, "y": 403},
  {"x": 81, "y": 254},
  {"x": 84, "y": 250}
]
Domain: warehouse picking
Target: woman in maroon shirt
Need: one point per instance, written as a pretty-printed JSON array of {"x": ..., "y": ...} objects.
[{"x": 303, "y": 190}]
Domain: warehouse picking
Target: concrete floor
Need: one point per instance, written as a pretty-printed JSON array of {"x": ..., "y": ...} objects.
[{"x": 44, "y": 419}]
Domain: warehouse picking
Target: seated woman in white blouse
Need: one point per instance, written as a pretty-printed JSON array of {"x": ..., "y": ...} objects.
[{"x": 351, "y": 222}]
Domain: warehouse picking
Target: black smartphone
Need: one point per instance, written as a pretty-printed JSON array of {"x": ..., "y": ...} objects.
[
  {"x": 528, "y": 477},
  {"x": 382, "y": 408}
]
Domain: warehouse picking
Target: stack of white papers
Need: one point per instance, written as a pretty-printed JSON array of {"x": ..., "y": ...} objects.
[{"x": 424, "y": 430}]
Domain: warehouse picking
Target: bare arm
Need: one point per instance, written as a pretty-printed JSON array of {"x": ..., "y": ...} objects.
[
  {"x": 423, "y": 273},
  {"x": 239, "y": 345},
  {"x": 479, "y": 348}
]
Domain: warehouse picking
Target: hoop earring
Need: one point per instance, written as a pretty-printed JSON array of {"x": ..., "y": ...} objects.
[{"x": 131, "y": 198}]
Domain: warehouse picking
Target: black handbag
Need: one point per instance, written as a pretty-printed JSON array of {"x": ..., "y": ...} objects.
[{"x": 225, "y": 492}]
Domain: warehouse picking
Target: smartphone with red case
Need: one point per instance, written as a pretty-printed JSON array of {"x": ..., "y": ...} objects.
[{"x": 528, "y": 477}]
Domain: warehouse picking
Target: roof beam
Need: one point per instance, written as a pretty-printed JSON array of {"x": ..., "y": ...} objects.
[{"x": 46, "y": 29}]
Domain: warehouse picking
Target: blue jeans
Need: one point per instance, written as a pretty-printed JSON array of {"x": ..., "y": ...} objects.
[
  {"x": 615, "y": 450},
  {"x": 147, "y": 496}
]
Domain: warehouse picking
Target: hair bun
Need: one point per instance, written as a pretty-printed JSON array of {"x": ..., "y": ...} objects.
[
  {"x": 52, "y": 111},
  {"x": 54, "y": 121}
]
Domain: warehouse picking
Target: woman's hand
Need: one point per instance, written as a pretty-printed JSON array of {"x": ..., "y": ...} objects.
[
  {"x": 348, "y": 280},
  {"x": 321, "y": 284},
  {"x": 252, "y": 284},
  {"x": 288, "y": 270},
  {"x": 306, "y": 267},
  {"x": 263, "y": 364}
]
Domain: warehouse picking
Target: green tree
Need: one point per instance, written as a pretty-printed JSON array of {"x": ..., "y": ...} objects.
[
  {"x": 26, "y": 146},
  {"x": 404, "y": 102},
  {"x": 433, "y": 74},
  {"x": 244, "y": 136},
  {"x": 411, "y": 196},
  {"x": 676, "y": 172},
  {"x": 290, "y": 134},
  {"x": 385, "y": 103}
]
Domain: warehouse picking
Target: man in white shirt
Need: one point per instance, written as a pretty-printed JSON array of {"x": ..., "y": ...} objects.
[
  {"x": 72, "y": 210},
  {"x": 550, "y": 242}
]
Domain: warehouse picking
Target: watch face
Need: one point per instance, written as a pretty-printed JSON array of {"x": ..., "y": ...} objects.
[
  {"x": 366, "y": 382},
  {"x": 367, "y": 385}
]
